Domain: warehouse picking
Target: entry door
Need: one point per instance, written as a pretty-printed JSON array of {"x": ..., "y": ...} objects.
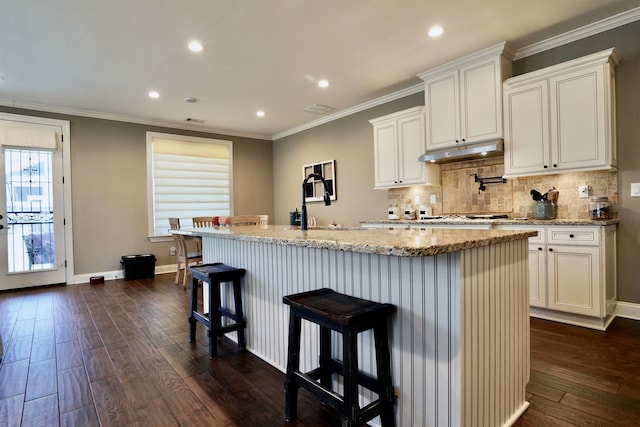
[{"x": 32, "y": 239}]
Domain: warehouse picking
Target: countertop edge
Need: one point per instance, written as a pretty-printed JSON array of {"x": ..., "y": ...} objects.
[
  {"x": 574, "y": 222},
  {"x": 368, "y": 241}
]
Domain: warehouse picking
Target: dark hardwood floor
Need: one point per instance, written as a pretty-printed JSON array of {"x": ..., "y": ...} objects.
[{"x": 117, "y": 354}]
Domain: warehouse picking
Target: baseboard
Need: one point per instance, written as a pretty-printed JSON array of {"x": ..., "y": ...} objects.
[
  {"x": 628, "y": 310},
  {"x": 118, "y": 274}
]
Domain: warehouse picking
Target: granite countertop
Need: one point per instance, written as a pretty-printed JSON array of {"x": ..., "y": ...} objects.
[
  {"x": 506, "y": 221},
  {"x": 399, "y": 242}
]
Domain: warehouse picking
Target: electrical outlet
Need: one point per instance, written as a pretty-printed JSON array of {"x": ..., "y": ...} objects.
[
  {"x": 172, "y": 251},
  {"x": 432, "y": 199},
  {"x": 583, "y": 191}
]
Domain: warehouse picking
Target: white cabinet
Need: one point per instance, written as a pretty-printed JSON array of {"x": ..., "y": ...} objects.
[
  {"x": 572, "y": 273},
  {"x": 399, "y": 140},
  {"x": 561, "y": 118},
  {"x": 463, "y": 99}
]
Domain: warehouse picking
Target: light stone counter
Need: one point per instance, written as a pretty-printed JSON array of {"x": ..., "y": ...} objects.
[
  {"x": 412, "y": 243},
  {"x": 506, "y": 221},
  {"x": 460, "y": 335}
]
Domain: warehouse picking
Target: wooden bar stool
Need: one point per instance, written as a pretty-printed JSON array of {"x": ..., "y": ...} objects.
[
  {"x": 349, "y": 316},
  {"x": 215, "y": 275}
]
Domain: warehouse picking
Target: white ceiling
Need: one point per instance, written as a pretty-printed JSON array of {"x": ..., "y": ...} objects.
[{"x": 100, "y": 57}]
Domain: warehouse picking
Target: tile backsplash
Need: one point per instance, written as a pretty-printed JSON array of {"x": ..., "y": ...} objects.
[{"x": 459, "y": 193}]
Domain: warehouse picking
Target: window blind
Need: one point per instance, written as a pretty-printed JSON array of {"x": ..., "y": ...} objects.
[{"x": 190, "y": 177}]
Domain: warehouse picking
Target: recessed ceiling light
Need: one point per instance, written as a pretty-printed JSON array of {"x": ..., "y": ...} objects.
[
  {"x": 190, "y": 99},
  {"x": 154, "y": 94},
  {"x": 436, "y": 31},
  {"x": 195, "y": 46},
  {"x": 323, "y": 83},
  {"x": 260, "y": 113}
]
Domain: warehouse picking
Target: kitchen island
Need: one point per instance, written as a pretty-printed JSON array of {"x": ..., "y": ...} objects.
[{"x": 459, "y": 339}]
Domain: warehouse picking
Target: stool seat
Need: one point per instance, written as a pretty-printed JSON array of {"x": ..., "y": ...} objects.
[
  {"x": 216, "y": 274},
  {"x": 349, "y": 316}
]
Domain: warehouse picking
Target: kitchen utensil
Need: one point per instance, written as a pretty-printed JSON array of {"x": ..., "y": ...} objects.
[{"x": 536, "y": 195}]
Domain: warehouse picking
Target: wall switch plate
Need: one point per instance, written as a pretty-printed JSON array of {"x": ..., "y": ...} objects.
[
  {"x": 635, "y": 189},
  {"x": 432, "y": 199},
  {"x": 583, "y": 191}
]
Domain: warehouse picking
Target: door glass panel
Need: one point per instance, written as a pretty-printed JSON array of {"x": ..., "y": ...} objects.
[{"x": 29, "y": 193}]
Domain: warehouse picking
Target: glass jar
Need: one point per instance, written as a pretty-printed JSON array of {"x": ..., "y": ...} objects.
[
  {"x": 599, "y": 207},
  {"x": 544, "y": 209}
]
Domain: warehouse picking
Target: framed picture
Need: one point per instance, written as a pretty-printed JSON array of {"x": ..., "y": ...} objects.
[{"x": 314, "y": 189}]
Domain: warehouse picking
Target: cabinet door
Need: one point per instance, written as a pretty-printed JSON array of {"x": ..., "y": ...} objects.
[
  {"x": 443, "y": 111},
  {"x": 411, "y": 145},
  {"x": 573, "y": 279},
  {"x": 481, "y": 102},
  {"x": 526, "y": 129},
  {"x": 578, "y": 119},
  {"x": 537, "y": 276},
  {"x": 385, "y": 154}
]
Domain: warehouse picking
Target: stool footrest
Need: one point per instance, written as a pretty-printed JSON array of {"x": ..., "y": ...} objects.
[{"x": 327, "y": 396}]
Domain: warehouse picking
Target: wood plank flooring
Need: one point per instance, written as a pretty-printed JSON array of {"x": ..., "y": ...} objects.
[{"x": 117, "y": 354}]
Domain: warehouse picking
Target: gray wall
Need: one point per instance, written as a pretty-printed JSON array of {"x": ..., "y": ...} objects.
[
  {"x": 350, "y": 141},
  {"x": 109, "y": 188}
]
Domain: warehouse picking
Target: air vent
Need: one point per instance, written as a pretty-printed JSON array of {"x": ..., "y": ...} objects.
[
  {"x": 192, "y": 120},
  {"x": 318, "y": 109}
]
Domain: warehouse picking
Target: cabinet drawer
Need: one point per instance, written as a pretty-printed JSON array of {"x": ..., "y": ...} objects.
[
  {"x": 539, "y": 239},
  {"x": 582, "y": 236}
]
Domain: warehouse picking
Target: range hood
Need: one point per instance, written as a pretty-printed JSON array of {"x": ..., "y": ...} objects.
[{"x": 480, "y": 150}]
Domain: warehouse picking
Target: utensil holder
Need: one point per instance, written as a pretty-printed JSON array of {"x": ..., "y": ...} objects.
[{"x": 544, "y": 209}]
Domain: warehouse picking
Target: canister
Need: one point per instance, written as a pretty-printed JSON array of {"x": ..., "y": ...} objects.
[
  {"x": 544, "y": 209},
  {"x": 599, "y": 207}
]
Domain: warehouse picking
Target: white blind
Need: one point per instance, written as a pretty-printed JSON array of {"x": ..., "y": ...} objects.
[
  {"x": 190, "y": 177},
  {"x": 22, "y": 135}
]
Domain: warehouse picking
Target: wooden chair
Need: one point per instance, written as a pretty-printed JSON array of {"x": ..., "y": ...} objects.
[
  {"x": 245, "y": 220},
  {"x": 185, "y": 258},
  {"x": 202, "y": 221}
]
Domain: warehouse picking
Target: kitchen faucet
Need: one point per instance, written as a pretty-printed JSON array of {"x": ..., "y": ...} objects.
[{"x": 327, "y": 200}]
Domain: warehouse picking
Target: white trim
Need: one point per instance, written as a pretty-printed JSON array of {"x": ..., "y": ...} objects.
[
  {"x": 629, "y": 310},
  {"x": 66, "y": 185},
  {"x": 119, "y": 274},
  {"x": 127, "y": 119},
  {"x": 352, "y": 110},
  {"x": 579, "y": 33}
]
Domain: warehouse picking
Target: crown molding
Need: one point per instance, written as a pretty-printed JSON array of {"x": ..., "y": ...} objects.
[
  {"x": 121, "y": 118},
  {"x": 579, "y": 33},
  {"x": 352, "y": 110}
]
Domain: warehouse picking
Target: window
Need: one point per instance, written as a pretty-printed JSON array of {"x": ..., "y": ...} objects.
[{"x": 186, "y": 177}]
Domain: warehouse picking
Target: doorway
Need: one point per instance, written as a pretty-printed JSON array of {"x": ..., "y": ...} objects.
[{"x": 34, "y": 240}]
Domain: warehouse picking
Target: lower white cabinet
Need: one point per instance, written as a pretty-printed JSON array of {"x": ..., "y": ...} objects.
[{"x": 572, "y": 273}]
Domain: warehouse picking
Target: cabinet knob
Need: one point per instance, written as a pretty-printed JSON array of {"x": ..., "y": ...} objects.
[
  {"x": 571, "y": 236},
  {"x": 539, "y": 249},
  {"x": 555, "y": 166},
  {"x": 463, "y": 140},
  {"x": 550, "y": 249},
  {"x": 545, "y": 166}
]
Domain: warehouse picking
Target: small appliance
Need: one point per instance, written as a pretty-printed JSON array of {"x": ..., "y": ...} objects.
[{"x": 409, "y": 213}]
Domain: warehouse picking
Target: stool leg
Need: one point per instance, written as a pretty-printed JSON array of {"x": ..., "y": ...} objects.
[
  {"x": 383, "y": 366},
  {"x": 351, "y": 410},
  {"x": 293, "y": 365},
  {"x": 193, "y": 305},
  {"x": 240, "y": 321},
  {"x": 214, "y": 318},
  {"x": 325, "y": 357}
]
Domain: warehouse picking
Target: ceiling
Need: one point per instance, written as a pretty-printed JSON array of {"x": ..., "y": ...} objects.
[{"x": 100, "y": 58}]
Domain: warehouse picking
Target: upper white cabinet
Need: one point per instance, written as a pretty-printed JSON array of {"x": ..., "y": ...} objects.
[
  {"x": 399, "y": 140},
  {"x": 561, "y": 118},
  {"x": 463, "y": 99}
]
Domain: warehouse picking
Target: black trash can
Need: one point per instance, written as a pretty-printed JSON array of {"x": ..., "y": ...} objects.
[{"x": 138, "y": 266}]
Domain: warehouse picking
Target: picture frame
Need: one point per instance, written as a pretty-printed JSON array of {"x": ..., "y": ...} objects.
[{"x": 314, "y": 189}]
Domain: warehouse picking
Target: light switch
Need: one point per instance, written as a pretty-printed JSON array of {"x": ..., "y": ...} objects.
[
  {"x": 635, "y": 189},
  {"x": 432, "y": 199}
]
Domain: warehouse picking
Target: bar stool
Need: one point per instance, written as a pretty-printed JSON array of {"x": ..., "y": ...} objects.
[
  {"x": 216, "y": 274},
  {"x": 349, "y": 316}
]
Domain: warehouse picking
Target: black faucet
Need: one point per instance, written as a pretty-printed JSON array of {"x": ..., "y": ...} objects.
[{"x": 327, "y": 199}]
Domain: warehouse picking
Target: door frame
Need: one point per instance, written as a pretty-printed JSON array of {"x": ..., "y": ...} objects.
[{"x": 66, "y": 182}]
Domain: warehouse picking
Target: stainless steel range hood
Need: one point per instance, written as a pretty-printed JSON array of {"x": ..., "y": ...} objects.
[{"x": 468, "y": 152}]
